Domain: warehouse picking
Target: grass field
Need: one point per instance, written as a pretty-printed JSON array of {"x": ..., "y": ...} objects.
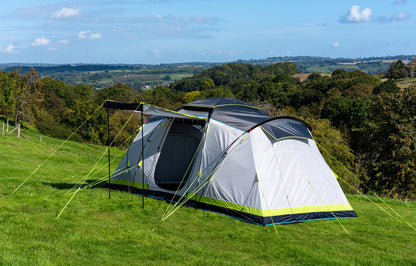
[
  {"x": 407, "y": 82},
  {"x": 136, "y": 79},
  {"x": 94, "y": 229}
]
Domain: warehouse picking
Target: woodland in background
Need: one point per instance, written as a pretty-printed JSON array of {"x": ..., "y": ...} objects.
[{"x": 362, "y": 122}]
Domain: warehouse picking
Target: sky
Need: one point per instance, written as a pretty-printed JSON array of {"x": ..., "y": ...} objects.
[{"x": 176, "y": 31}]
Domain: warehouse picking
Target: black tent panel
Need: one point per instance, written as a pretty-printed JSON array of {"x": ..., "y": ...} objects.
[
  {"x": 239, "y": 116},
  {"x": 123, "y": 106},
  {"x": 176, "y": 156},
  {"x": 217, "y": 101},
  {"x": 286, "y": 127}
]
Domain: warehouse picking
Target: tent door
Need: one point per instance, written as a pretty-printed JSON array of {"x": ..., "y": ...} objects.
[{"x": 175, "y": 161}]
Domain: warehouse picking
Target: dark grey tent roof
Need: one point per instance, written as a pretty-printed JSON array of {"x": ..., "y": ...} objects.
[
  {"x": 233, "y": 112},
  {"x": 246, "y": 116},
  {"x": 218, "y": 101},
  {"x": 286, "y": 127},
  {"x": 238, "y": 116}
]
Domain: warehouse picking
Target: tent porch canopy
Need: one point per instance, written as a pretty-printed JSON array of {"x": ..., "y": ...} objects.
[{"x": 148, "y": 109}]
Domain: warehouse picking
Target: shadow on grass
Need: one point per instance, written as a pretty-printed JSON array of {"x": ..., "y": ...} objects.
[{"x": 85, "y": 184}]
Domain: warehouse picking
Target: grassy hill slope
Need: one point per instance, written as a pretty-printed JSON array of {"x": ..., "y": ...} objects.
[{"x": 94, "y": 229}]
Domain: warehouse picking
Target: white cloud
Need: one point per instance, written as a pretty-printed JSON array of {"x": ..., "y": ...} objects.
[
  {"x": 200, "y": 20},
  {"x": 66, "y": 13},
  {"x": 400, "y": 16},
  {"x": 400, "y": 2},
  {"x": 154, "y": 53},
  {"x": 335, "y": 44},
  {"x": 88, "y": 35},
  {"x": 356, "y": 15},
  {"x": 63, "y": 41},
  {"x": 9, "y": 49},
  {"x": 396, "y": 17},
  {"x": 41, "y": 42},
  {"x": 95, "y": 36}
]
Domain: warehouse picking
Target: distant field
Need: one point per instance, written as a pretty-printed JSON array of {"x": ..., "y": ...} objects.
[
  {"x": 301, "y": 77},
  {"x": 330, "y": 68},
  {"x": 94, "y": 229},
  {"x": 404, "y": 83},
  {"x": 139, "y": 77},
  {"x": 135, "y": 79}
]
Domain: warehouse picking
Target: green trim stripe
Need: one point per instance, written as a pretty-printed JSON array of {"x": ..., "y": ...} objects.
[
  {"x": 274, "y": 212},
  {"x": 129, "y": 183},
  {"x": 174, "y": 112}
]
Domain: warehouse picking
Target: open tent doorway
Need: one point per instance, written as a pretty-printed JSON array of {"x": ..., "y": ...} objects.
[{"x": 177, "y": 154}]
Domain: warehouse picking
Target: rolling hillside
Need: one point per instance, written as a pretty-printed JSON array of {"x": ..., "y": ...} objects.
[
  {"x": 143, "y": 76},
  {"x": 94, "y": 229}
]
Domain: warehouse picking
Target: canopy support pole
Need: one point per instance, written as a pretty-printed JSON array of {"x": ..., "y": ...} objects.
[
  {"x": 141, "y": 116},
  {"x": 109, "y": 161}
]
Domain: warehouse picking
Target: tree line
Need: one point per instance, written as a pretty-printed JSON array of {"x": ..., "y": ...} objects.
[{"x": 363, "y": 122}]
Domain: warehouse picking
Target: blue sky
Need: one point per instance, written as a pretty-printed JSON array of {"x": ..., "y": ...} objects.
[{"x": 173, "y": 31}]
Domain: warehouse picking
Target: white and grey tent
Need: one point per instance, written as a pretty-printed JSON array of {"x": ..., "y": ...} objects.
[{"x": 228, "y": 156}]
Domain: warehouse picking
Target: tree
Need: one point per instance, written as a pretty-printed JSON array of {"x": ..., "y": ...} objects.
[
  {"x": 358, "y": 90},
  {"x": 118, "y": 92},
  {"x": 341, "y": 73},
  {"x": 398, "y": 70},
  {"x": 388, "y": 86},
  {"x": 27, "y": 92},
  {"x": 388, "y": 143},
  {"x": 191, "y": 96},
  {"x": 7, "y": 95},
  {"x": 314, "y": 76},
  {"x": 217, "y": 92},
  {"x": 162, "y": 96},
  {"x": 282, "y": 68},
  {"x": 412, "y": 68}
]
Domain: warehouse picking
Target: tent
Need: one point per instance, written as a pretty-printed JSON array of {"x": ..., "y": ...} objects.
[{"x": 228, "y": 156}]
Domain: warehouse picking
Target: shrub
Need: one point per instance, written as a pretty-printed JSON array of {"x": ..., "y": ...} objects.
[{"x": 55, "y": 130}]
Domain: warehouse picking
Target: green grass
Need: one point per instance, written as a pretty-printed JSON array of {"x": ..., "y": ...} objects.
[
  {"x": 135, "y": 78},
  {"x": 330, "y": 68},
  {"x": 94, "y": 229},
  {"x": 409, "y": 79}
]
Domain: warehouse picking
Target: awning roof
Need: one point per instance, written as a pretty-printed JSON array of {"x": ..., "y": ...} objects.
[
  {"x": 153, "y": 110},
  {"x": 149, "y": 110}
]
